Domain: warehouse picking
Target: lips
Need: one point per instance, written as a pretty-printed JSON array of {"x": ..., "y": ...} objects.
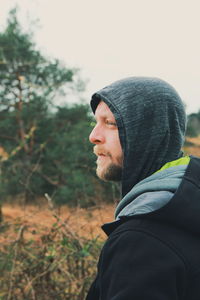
[
  {"x": 99, "y": 152},
  {"x": 101, "y": 159},
  {"x": 101, "y": 156}
]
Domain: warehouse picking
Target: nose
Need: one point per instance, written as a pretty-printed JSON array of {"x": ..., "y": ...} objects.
[{"x": 96, "y": 136}]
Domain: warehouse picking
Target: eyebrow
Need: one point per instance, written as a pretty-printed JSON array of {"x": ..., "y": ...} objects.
[{"x": 106, "y": 117}]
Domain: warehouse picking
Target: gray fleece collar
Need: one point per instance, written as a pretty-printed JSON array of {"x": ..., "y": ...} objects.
[{"x": 151, "y": 193}]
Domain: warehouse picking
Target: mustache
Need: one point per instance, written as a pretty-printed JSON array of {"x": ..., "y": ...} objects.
[{"x": 99, "y": 150}]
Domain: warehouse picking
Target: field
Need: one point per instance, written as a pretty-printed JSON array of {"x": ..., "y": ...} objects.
[
  {"x": 85, "y": 222},
  {"x": 51, "y": 253},
  {"x": 192, "y": 146},
  {"x": 38, "y": 220}
]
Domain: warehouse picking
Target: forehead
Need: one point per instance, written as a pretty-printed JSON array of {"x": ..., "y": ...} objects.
[{"x": 103, "y": 111}]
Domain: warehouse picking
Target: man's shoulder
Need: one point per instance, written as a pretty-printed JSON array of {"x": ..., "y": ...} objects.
[{"x": 146, "y": 234}]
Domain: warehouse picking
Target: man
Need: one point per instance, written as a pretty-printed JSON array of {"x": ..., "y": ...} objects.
[{"x": 153, "y": 246}]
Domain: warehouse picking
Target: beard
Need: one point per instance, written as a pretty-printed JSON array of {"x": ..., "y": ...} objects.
[{"x": 112, "y": 172}]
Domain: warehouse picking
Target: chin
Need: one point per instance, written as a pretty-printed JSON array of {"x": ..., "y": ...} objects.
[
  {"x": 100, "y": 173},
  {"x": 111, "y": 173}
]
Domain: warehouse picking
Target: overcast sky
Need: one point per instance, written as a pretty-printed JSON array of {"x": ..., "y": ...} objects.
[{"x": 113, "y": 39}]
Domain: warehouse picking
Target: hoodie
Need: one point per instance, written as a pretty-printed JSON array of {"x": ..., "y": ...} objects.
[
  {"x": 151, "y": 120},
  {"x": 152, "y": 250}
]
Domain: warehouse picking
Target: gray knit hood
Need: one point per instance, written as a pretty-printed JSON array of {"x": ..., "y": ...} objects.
[{"x": 151, "y": 120}]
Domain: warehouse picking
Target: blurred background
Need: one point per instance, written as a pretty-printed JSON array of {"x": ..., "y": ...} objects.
[
  {"x": 53, "y": 56},
  {"x": 108, "y": 40}
]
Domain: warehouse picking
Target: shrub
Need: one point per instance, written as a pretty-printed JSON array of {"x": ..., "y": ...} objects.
[{"x": 59, "y": 266}]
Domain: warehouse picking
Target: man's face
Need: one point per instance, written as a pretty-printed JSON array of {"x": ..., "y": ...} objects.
[{"x": 107, "y": 147}]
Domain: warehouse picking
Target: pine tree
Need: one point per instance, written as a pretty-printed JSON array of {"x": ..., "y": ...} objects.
[{"x": 28, "y": 84}]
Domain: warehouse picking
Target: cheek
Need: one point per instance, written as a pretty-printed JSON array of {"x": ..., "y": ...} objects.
[{"x": 116, "y": 144}]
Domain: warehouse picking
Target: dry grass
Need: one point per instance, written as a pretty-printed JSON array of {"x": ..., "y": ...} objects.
[
  {"x": 52, "y": 254},
  {"x": 49, "y": 254},
  {"x": 195, "y": 148},
  {"x": 194, "y": 140},
  {"x": 39, "y": 220}
]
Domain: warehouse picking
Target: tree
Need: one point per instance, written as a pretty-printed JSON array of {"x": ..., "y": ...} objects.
[
  {"x": 193, "y": 125},
  {"x": 47, "y": 150},
  {"x": 70, "y": 177},
  {"x": 28, "y": 84}
]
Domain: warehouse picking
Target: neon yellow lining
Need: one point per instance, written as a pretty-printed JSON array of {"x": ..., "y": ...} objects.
[{"x": 178, "y": 162}]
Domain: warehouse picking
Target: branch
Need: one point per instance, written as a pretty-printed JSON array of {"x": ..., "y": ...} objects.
[
  {"x": 19, "y": 238},
  {"x": 49, "y": 180}
]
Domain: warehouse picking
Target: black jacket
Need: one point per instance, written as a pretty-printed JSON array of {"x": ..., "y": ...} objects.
[{"x": 154, "y": 256}]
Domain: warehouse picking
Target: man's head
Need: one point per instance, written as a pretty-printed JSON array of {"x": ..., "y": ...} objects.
[
  {"x": 151, "y": 120},
  {"x": 107, "y": 147}
]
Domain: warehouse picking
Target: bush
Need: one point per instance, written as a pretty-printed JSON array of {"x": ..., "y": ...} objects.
[{"x": 60, "y": 266}]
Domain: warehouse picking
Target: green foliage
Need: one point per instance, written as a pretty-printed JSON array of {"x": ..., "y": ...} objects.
[
  {"x": 47, "y": 149},
  {"x": 24, "y": 73},
  {"x": 193, "y": 125}
]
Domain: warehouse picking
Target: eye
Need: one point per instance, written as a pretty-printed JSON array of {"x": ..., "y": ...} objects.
[{"x": 111, "y": 123}]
